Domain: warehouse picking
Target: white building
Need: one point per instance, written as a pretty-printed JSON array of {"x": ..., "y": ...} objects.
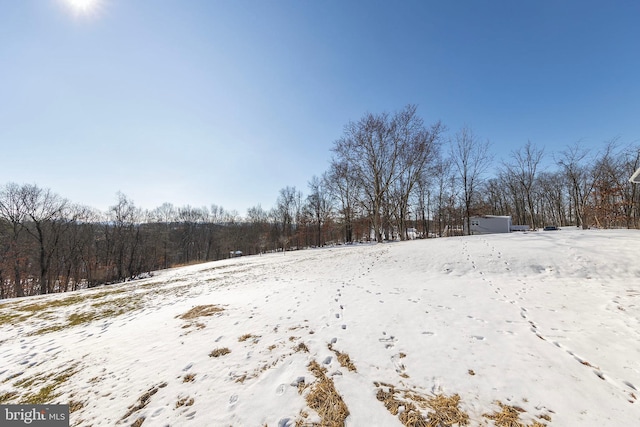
[{"x": 489, "y": 224}]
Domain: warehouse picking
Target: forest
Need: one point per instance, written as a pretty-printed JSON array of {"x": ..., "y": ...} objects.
[{"x": 391, "y": 177}]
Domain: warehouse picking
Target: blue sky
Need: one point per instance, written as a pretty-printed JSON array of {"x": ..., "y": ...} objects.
[{"x": 206, "y": 102}]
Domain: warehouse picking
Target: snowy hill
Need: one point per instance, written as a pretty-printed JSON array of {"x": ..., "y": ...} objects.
[{"x": 540, "y": 327}]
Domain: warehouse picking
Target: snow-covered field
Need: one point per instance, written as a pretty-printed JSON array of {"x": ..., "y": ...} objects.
[{"x": 542, "y": 326}]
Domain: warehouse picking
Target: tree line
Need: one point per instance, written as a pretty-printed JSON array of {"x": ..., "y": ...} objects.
[{"x": 391, "y": 177}]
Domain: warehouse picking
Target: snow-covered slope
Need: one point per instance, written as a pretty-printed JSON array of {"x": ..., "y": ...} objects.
[{"x": 542, "y": 326}]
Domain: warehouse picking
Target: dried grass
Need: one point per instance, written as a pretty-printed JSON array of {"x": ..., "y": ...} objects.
[
  {"x": 509, "y": 416},
  {"x": 324, "y": 399},
  {"x": 343, "y": 359},
  {"x": 409, "y": 415},
  {"x": 301, "y": 348},
  {"x": 185, "y": 401},
  {"x": 245, "y": 337},
  {"x": 201, "y": 311},
  {"x": 6, "y": 397},
  {"x": 219, "y": 352},
  {"x": 142, "y": 402},
  {"x": 47, "y": 392},
  {"x": 388, "y": 398},
  {"x": 444, "y": 410},
  {"x": 74, "y": 406}
]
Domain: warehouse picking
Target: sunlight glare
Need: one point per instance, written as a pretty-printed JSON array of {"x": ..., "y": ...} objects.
[{"x": 83, "y": 7}]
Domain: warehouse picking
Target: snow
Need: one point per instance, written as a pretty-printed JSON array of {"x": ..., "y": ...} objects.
[{"x": 548, "y": 322}]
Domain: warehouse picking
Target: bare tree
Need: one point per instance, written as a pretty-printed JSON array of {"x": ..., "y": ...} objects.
[
  {"x": 419, "y": 153},
  {"x": 287, "y": 210},
  {"x": 613, "y": 193},
  {"x": 471, "y": 158},
  {"x": 343, "y": 186},
  {"x": 123, "y": 238},
  {"x": 46, "y": 211},
  {"x": 77, "y": 255},
  {"x": 319, "y": 205},
  {"x": 13, "y": 212},
  {"x": 523, "y": 168},
  {"x": 165, "y": 215},
  {"x": 581, "y": 177},
  {"x": 631, "y": 192},
  {"x": 553, "y": 197},
  {"x": 380, "y": 150},
  {"x": 259, "y": 227},
  {"x": 371, "y": 151}
]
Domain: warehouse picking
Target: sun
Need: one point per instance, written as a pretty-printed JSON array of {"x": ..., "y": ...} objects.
[{"x": 82, "y": 6}]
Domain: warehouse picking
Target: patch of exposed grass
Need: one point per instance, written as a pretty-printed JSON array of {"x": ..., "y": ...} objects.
[
  {"x": 49, "y": 304},
  {"x": 12, "y": 376},
  {"x": 219, "y": 352},
  {"x": 74, "y": 406},
  {"x": 324, "y": 398},
  {"x": 102, "y": 310},
  {"x": 7, "y": 397},
  {"x": 12, "y": 318},
  {"x": 343, "y": 359},
  {"x": 443, "y": 410},
  {"x": 47, "y": 393},
  {"x": 20, "y": 312},
  {"x": 29, "y": 381},
  {"x": 48, "y": 329},
  {"x": 509, "y": 416},
  {"x": 189, "y": 378},
  {"x": 142, "y": 402},
  {"x": 201, "y": 311},
  {"x": 44, "y": 307},
  {"x": 301, "y": 348},
  {"x": 184, "y": 401},
  {"x": 245, "y": 337}
]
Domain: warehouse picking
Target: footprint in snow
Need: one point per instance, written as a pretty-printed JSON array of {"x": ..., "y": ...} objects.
[
  {"x": 285, "y": 422},
  {"x": 389, "y": 341},
  {"x": 157, "y": 412},
  {"x": 233, "y": 399},
  {"x": 397, "y": 364}
]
